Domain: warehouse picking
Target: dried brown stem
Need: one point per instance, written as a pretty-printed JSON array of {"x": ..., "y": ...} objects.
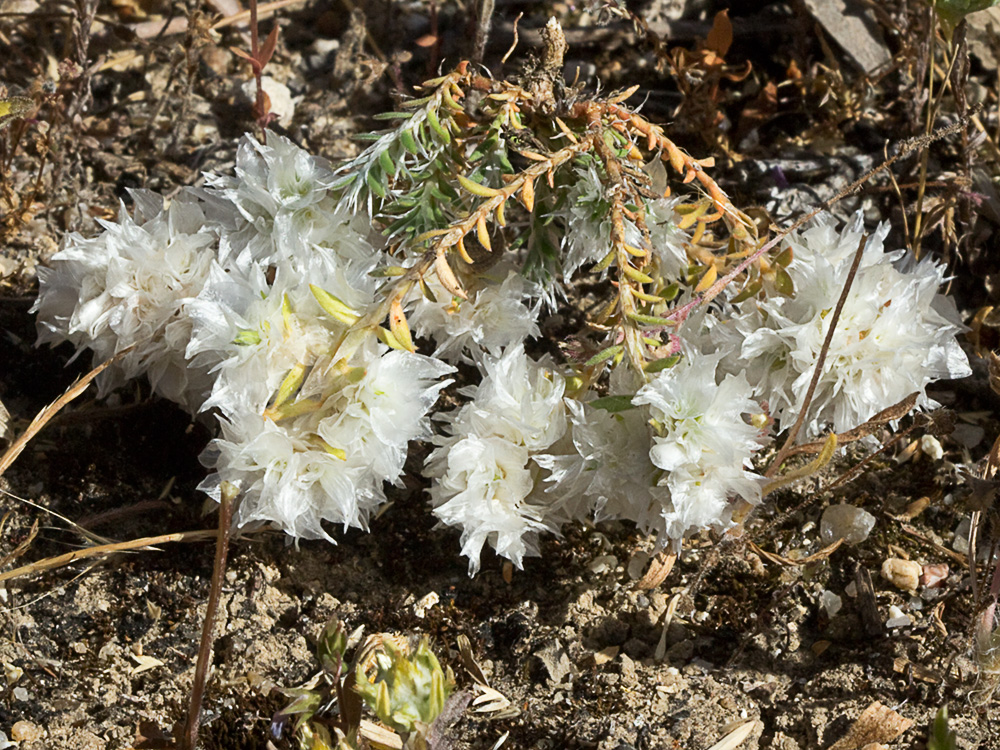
[
  {"x": 820, "y": 361},
  {"x": 48, "y": 412},
  {"x": 61, "y": 561},
  {"x": 189, "y": 740}
]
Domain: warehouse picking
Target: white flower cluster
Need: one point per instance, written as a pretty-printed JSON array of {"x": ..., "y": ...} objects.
[
  {"x": 241, "y": 299},
  {"x": 672, "y": 465},
  {"x": 237, "y": 298},
  {"x": 588, "y": 228},
  {"x": 896, "y": 333},
  {"x": 483, "y": 468}
]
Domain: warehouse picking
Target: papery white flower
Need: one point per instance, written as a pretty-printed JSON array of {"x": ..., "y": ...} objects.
[
  {"x": 587, "y": 237},
  {"x": 518, "y": 399},
  {"x": 278, "y": 175},
  {"x": 605, "y": 470},
  {"x": 896, "y": 333},
  {"x": 285, "y": 211},
  {"x": 380, "y": 413},
  {"x": 494, "y": 318},
  {"x": 482, "y": 470},
  {"x": 254, "y": 325},
  {"x": 666, "y": 238},
  {"x": 257, "y": 332},
  {"x": 286, "y": 479},
  {"x": 130, "y": 286},
  {"x": 482, "y": 487},
  {"x": 704, "y": 445},
  {"x": 330, "y": 458}
]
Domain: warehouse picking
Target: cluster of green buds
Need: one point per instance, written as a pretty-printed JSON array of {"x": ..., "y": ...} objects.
[
  {"x": 408, "y": 691},
  {"x": 406, "y": 688}
]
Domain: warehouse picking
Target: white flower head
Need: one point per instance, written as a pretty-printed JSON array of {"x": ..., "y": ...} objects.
[
  {"x": 482, "y": 486},
  {"x": 482, "y": 470},
  {"x": 666, "y": 238},
  {"x": 329, "y": 459},
  {"x": 285, "y": 210},
  {"x": 287, "y": 479},
  {"x": 896, "y": 332},
  {"x": 605, "y": 470},
  {"x": 704, "y": 444},
  {"x": 130, "y": 287},
  {"x": 518, "y": 399},
  {"x": 587, "y": 236},
  {"x": 494, "y": 318}
]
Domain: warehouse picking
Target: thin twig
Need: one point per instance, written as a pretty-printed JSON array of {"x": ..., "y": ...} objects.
[
  {"x": 227, "y": 503},
  {"x": 62, "y": 561},
  {"x": 484, "y": 19},
  {"x": 820, "y": 361},
  {"x": 906, "y": 147},
  {"x": 51, "y": 410},
  {"x": 513, "y": 45}
]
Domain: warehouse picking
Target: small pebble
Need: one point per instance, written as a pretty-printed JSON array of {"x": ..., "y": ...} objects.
[
  {"x": 896, "y": 618},
  {"x": 931, "y": 447},
  {"x": 603, "y": 564},
  {"x": 637, "y": 565},
  {"x": 903, "y": 574},
  {"x": 830, "y": 603},
  {"x": 934, "y": 575},
  {"x": 425, "y": 603},
  {"x": 25, "y": 731},
  {"x": 846, "y": 522},
  {"x": 282, "y": 103},
  {"x": 961, "y": 541}
]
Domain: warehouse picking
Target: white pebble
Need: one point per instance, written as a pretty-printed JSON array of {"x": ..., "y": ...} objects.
[{"x": 846, "y": 522}]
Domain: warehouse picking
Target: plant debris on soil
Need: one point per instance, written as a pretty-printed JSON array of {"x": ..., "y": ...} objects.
[{"x": 578, "y": 650}]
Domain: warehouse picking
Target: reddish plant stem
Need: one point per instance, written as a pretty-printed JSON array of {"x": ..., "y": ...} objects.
[{"x": 189, "y": 741}]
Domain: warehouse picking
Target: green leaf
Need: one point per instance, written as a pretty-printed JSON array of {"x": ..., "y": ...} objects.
[
  {"x": 409, "y": 142},
  {"x": 393, "y": 116},
  {"x": 296, "y": 375},
  {"x": 941, "y": 736},
  {"x": 416, "y": 103},
  {"x": 375, "y": 184},
  {"x": 951, "y": 12},
  {"x": 750, "y": 290},
  {"x": 613, "y": 404},
  {"x": 659, "y": 365},
  {"x": 388, "y": 272},
  {"x": 611, "y": 351},
  {"x": 386, "y": 162},
  {"x": 783, "y": 282},
  {"x": 603, "y": 263},
  {"x": 386, "y": 337},
  {"x": 437, "y": 127},
  {"x": 334, "y": 307},
  {"x": 332, "y": 645},
  {"x": 650, "y": 320},
  {"x": 247, "y": 338}
]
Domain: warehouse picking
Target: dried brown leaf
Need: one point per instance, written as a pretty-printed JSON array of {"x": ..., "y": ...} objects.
[
  {"x": 720, "y": 38},
  {"x": 877, "y": 723},
  {"x": 659, "y": 569},
  {"x": 264, "y": 53}
]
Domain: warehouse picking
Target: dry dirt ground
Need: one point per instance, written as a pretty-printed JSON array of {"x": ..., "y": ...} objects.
[{"x": 101, "y": 656}]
